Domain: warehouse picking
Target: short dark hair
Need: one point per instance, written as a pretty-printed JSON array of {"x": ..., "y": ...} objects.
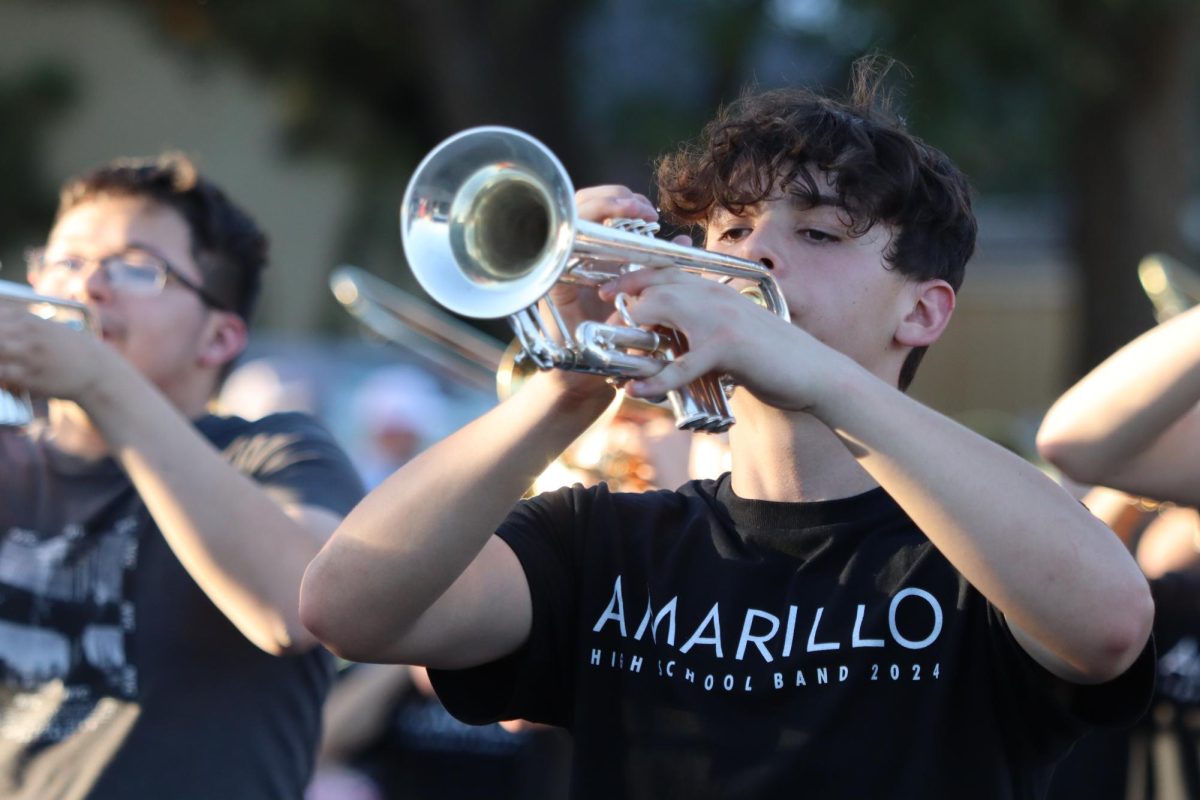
[
  {"x": 227, "y": 244},
  {"x": 881, "y": 173}
]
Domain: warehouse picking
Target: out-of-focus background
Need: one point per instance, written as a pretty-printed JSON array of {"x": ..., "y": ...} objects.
[{"x": 1076, "y": 120}]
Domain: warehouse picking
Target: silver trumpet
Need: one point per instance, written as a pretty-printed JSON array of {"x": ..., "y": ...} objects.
[
  {"x": 489, "y": 227},
  {"x": 16, "y": 409}
]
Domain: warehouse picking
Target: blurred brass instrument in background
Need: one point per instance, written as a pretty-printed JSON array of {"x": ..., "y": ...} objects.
[
  {"x": 489, "y": 227},
  {"x": 16, "y": 408},
  {"x": 445, "y": 343},
  {"x": 607, "y": 452},
  {"x": 1171, "y": 286}
]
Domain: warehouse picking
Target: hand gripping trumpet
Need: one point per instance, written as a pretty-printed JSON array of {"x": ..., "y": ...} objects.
[
  {"x": 16, "y": 409},
  {"x": 489, "y": 227}
]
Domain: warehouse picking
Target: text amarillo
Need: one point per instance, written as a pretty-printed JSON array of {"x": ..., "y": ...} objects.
[{"x": 760, "y": 633}]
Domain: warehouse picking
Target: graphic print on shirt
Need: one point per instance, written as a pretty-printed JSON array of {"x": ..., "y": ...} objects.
[
  {"x": 1179, "y": 672},
  {"x": 745, "y": 649},
  {"x": 65, "y": 628}
]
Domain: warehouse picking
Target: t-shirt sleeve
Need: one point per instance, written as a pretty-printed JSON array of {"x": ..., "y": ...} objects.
[
  {"x": 1047, "y": 712},
  {"x": 534, "y": 682},
  {"x": 296, "y": 460}
]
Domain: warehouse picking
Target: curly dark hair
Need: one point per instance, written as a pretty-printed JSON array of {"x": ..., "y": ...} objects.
[
  {"x": 880, "y": 173},
  {"x": 227, "y": 244}
]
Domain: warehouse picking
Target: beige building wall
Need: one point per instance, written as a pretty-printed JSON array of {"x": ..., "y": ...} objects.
[
  {"x": 138, "y": 96},
  {"x": 1006, "y": 355}
]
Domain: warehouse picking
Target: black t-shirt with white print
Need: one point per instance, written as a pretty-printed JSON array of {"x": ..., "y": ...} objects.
[
  {"x": 702, "y": 645},
  {"x": 119, "y": 677}
]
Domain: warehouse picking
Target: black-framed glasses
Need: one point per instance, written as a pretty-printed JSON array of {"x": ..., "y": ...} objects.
[{"x": 135, "y": 270}]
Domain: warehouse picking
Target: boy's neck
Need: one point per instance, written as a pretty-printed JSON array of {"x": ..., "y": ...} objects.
[
  {"x": 73, "y": 431},
  {"x": 791, "y": 457}
]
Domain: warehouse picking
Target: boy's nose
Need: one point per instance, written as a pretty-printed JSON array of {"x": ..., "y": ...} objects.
[{"x": 94, "y": 281}]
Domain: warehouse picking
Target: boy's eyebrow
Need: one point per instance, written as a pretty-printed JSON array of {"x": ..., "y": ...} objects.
[
  {"x": 796, "y": 200},
  {"x": 805, "y": 200},
  {"x": 130, "y": 245}
]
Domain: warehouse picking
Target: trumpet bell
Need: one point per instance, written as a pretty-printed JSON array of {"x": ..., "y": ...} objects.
[{"x": 500, "y": 206}]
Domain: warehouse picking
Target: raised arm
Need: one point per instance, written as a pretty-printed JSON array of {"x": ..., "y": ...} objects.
[
  {"x": 1072, "y": 594},
  {"x": 1133, "y": 422},
  {"x": 415, "y": 573},
  {"x": 246, "y": 551}
]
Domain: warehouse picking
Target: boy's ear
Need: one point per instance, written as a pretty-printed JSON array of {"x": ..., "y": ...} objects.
[
  {"x": 224, "y": 340},
  {"x": 932, "y": 303}
]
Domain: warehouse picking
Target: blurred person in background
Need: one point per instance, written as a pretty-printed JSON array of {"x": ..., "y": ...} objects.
[
  {"x": 151, "y": 552},
  {"x": 399, "y": 411},
  {"x": 386, "y": 735},
  {"x": 1133, "y": 424},
  {"x": 264, "y": 386}
]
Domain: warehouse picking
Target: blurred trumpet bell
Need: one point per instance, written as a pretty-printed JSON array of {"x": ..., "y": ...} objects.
[
  {"x": 1171, "y": 286},
  {"x": 513, "y": 371}
]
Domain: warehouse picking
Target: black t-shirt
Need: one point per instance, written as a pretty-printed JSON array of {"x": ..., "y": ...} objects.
[
  {"x": 702, "y": 645},
  {"x": 119, "y": 677},
  {"x": 426, "y": 754}
]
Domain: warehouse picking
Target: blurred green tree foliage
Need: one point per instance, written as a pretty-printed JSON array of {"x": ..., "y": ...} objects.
[
  {"x": 1095, "y": 100},
  {"x": 30, "y": 101},
  {"x": 380, "y": 82}
]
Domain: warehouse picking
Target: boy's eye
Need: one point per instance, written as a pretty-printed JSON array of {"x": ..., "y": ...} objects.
[
  {"x": 734, "y": 234},
  {"x": 135, "y": 272},
  {"x": 814, "y": 235},
  {"x": 66, "y": 263}
]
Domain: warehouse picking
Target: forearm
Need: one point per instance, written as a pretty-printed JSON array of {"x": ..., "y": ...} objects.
[
  {"x": 359, "y": 707},
  {"x": 416, "y": 534},
  {"x": 1059, "y": 575},
  {"x": 1125, "y": 405},
  {"x": 235, "y": 541},
  {"x": 1121, "y": 512}
]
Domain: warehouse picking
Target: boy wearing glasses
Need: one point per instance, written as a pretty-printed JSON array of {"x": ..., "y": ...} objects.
[
  {"x": 150, "y": 552},
  {"x": 874, "y": 603}
]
